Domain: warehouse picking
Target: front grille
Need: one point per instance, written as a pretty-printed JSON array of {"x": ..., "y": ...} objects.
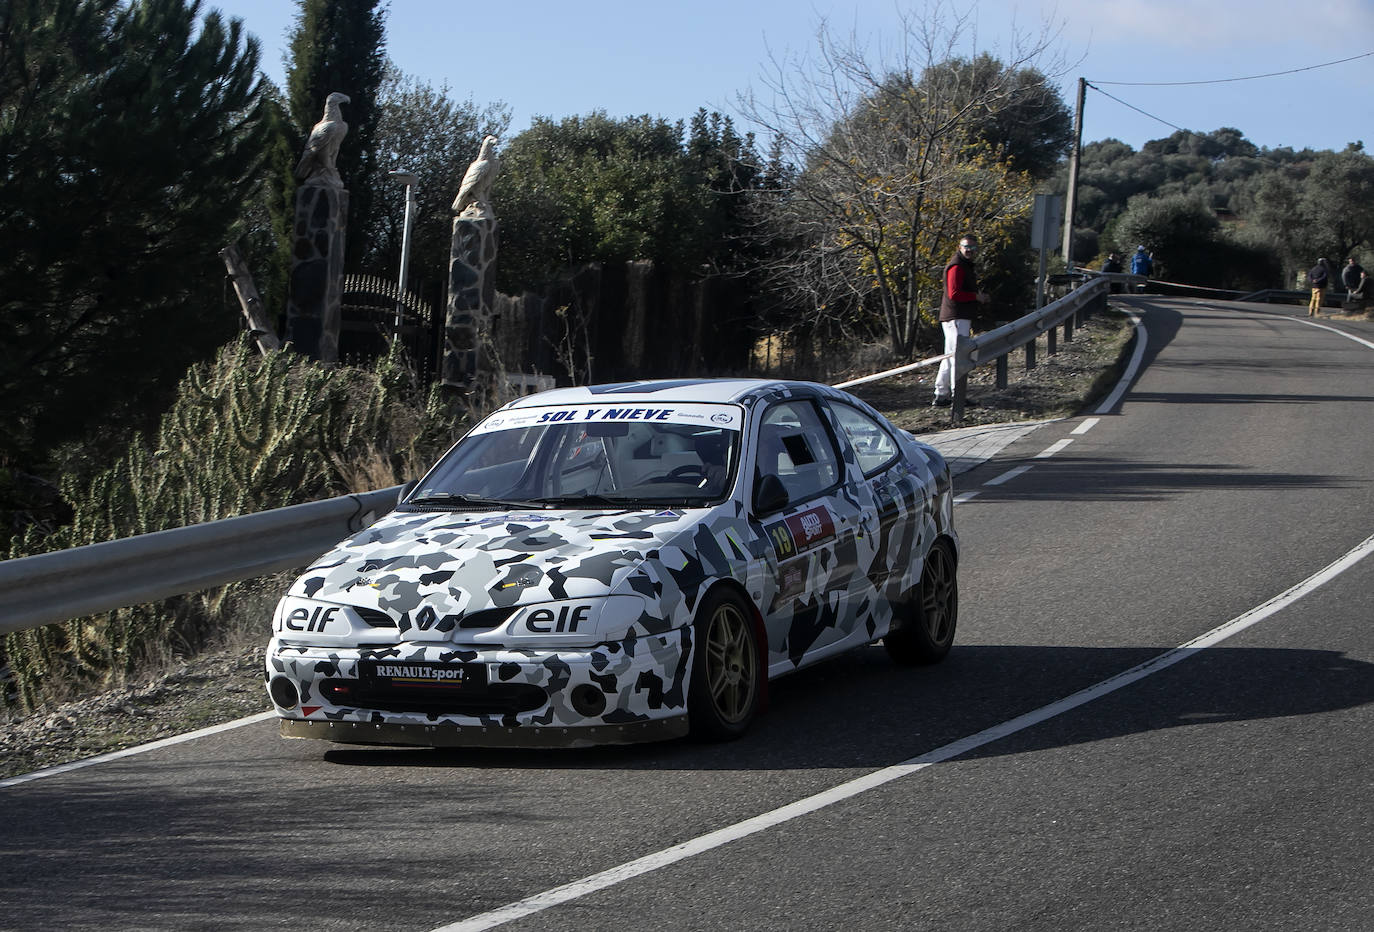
[
  {"x": 494, "y": 699},
  {"x": 487, "y": 618},
  {"x": 375, "y": 618}
]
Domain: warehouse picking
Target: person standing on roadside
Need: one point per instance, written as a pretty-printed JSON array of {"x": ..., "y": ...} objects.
[
  {"x": 1113, "y": 266},
  {"x": 1317, "y": 278},
  {"x": 1141, "y": 263},
  {"x": 960, "y": 300},
  {"x": 1352, "y": 276}
]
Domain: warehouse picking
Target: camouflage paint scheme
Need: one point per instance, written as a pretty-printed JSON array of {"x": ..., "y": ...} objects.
[{"x": 604, "y": 599}]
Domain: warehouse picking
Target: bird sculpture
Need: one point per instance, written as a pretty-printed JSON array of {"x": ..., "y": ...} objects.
[
  {"x": 317, "y": 162},
  {"x": 474, "y": 194}
]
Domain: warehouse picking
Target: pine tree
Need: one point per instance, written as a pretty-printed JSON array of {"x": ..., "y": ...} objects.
[{"x": 130, "y": 136}]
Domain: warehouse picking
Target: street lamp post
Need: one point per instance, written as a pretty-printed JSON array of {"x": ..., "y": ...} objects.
[{"x": 411, "y": 182}]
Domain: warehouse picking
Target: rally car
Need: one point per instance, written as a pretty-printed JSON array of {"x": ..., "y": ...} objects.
[{"x": 622, "y": 563}]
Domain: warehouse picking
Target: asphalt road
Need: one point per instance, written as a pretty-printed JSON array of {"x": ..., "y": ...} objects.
[{"x": 1226, "y": 786}]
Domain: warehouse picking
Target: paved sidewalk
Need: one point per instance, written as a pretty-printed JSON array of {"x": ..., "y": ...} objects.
[{"x": 967, "y": 447}]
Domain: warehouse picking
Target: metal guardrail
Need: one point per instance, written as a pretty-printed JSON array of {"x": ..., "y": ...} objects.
[
  {"x": 102, "y": 577},
  {"x": 994, "y": 346},
  {"x": 1336, "y": 297},
  {"x": 996, "y": 343},
  {"x": 1126, "y": 279}
]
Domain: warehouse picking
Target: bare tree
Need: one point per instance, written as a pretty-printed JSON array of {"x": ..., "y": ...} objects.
[{"x": 896, "y": 154}]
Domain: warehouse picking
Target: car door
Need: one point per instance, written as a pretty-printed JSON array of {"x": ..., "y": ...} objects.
[
  {"x": 896, "y": 517},
  {"x": 804, "y": 510}
]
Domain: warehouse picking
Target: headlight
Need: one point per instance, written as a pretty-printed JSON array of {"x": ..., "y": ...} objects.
[
  {"x": 575, "y": 622},
  {"x": 312, "y": 622}
]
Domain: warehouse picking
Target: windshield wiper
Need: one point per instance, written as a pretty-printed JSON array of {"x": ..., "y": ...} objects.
[
  {"x": 458, "y": 498},
  {"x": 591, "y": 500}
]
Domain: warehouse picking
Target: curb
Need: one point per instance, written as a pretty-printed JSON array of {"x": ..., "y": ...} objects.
[{"x": 966, "y": 447}]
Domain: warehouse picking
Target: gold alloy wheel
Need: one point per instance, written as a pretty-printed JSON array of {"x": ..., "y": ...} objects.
[
  {"x": 939, "y": 596},
  {"x": 731, "y": 664}
]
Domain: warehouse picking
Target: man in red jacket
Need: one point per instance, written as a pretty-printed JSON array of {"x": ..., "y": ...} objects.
[{"x": 960, "y": 299}]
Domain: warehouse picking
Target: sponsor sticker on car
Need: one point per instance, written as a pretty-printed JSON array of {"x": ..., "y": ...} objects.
[
  {"x": 727, "y": 416},
  {"x": 800, "y": 532},
  {"x": 422, "y": 674}
]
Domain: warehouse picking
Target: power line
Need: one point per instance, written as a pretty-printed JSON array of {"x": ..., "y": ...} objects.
[
  {"x": 1135, "y": 108},
  {"x": 1272, "y": 74}
]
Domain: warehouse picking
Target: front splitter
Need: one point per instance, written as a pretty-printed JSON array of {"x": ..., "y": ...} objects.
[{"x": 481, "y": 736}]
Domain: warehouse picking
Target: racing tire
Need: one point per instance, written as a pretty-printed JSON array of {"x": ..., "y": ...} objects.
[
  {"x": 927, "y": 633},
  {"x": 727, "y": 671}
]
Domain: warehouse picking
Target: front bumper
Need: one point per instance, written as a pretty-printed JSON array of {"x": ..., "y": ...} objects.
[
  {"x": 485, "y": 736},
  {"x": 628, "y": 691}
]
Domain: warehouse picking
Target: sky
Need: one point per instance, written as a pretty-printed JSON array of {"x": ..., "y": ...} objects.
[{"x": 667, "y": 57}]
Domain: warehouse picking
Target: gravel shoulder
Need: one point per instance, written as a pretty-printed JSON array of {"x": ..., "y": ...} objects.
[{"x": 227, "y": 684}]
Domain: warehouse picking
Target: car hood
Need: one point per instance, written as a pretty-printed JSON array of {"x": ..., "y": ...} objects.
[{"x": 453, "y": 564}]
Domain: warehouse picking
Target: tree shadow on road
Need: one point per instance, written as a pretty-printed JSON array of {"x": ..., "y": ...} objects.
[{"x": 1069, "y": 478}]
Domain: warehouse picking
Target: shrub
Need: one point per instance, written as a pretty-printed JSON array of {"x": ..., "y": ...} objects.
[{"x": 245, "y": 433}]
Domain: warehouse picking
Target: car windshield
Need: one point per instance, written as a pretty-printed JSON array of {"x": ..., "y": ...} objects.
[{"x": 590, "y": 456}]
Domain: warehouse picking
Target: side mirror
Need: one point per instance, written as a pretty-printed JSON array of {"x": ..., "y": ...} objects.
[
  {"x": 769, "y": 495},
  {"x": 406, "y": 490}
]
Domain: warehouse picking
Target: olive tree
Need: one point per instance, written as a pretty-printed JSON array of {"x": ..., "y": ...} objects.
[{"x": 896, "y": 157}]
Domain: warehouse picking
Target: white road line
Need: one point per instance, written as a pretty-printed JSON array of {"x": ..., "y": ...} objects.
[
  {"x": 1086, "y": 426},
  {"x": 140, "y": 749},
  {"x": 1009, "y": 475},
  {"x": 1342, "y": 333},
  {"x": 964, "y": 496},
  {"x": 1053, "y": 448},
  {"x": 723, "y": 836},
  {"x": 1132, "y": 367}
]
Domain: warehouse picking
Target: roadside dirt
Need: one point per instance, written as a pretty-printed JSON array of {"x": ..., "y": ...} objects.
[{"x": 228, "y": 684}]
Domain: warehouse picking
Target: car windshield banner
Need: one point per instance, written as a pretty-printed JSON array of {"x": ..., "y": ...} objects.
[{"x": 708, "y": 415}]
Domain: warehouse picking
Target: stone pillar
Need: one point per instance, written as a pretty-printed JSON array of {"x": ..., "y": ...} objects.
[
  {"x": 471, "y": 290},
  {"x": 315, "y": 302}
]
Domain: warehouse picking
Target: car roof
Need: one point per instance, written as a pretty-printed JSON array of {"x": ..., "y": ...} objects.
[{"x": 658, "y": 391}]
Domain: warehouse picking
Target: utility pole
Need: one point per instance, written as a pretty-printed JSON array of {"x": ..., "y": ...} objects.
[
  {"x": 1071, "y": 201},
  {"x": 410, "y": 181}
]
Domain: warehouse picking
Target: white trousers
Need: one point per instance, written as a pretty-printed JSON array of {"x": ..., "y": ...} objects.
[{"x": 944, "y": 379}]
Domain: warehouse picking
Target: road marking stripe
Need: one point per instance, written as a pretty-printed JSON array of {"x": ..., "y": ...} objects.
[
  {"x": 139, "y": 749},
  {"x": 1338, "y": 332},
  {"x": 1086, "y": 426},
  {"x": 964, "y": 496},
  {"x": 1009, "y": 475},
  {"x": 1298, "y": 320},
  {"x": 1053, "y": 448},
  {"x": 1128, "y": 376},
  {"x": 844, "y": 791}
]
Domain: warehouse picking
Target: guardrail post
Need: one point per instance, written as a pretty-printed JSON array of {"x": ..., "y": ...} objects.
[
  {"x": 1068, "y": 329},
  {"x": 1002, "y": 371},
  {"x": 1051, "y": 346},
  {"x": 1030, "y": 354}
]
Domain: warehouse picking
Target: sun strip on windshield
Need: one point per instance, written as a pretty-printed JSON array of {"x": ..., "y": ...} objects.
[{"x": 708, "y": 415}]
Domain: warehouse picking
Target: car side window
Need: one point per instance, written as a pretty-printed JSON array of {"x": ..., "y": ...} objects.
[
  {"x": 873, "y": 445},
  {"x": 795, "y": 445}
]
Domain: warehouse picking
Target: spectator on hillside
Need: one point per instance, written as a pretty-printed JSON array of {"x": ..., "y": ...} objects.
[
  {"x": 1353, "y": 277},
  {"x": 957, "y": 306},
  {"x": 1141, "y": 263},
  {"x": 1317, "y": 278},
  {"x": 1112, "y": 265}
]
